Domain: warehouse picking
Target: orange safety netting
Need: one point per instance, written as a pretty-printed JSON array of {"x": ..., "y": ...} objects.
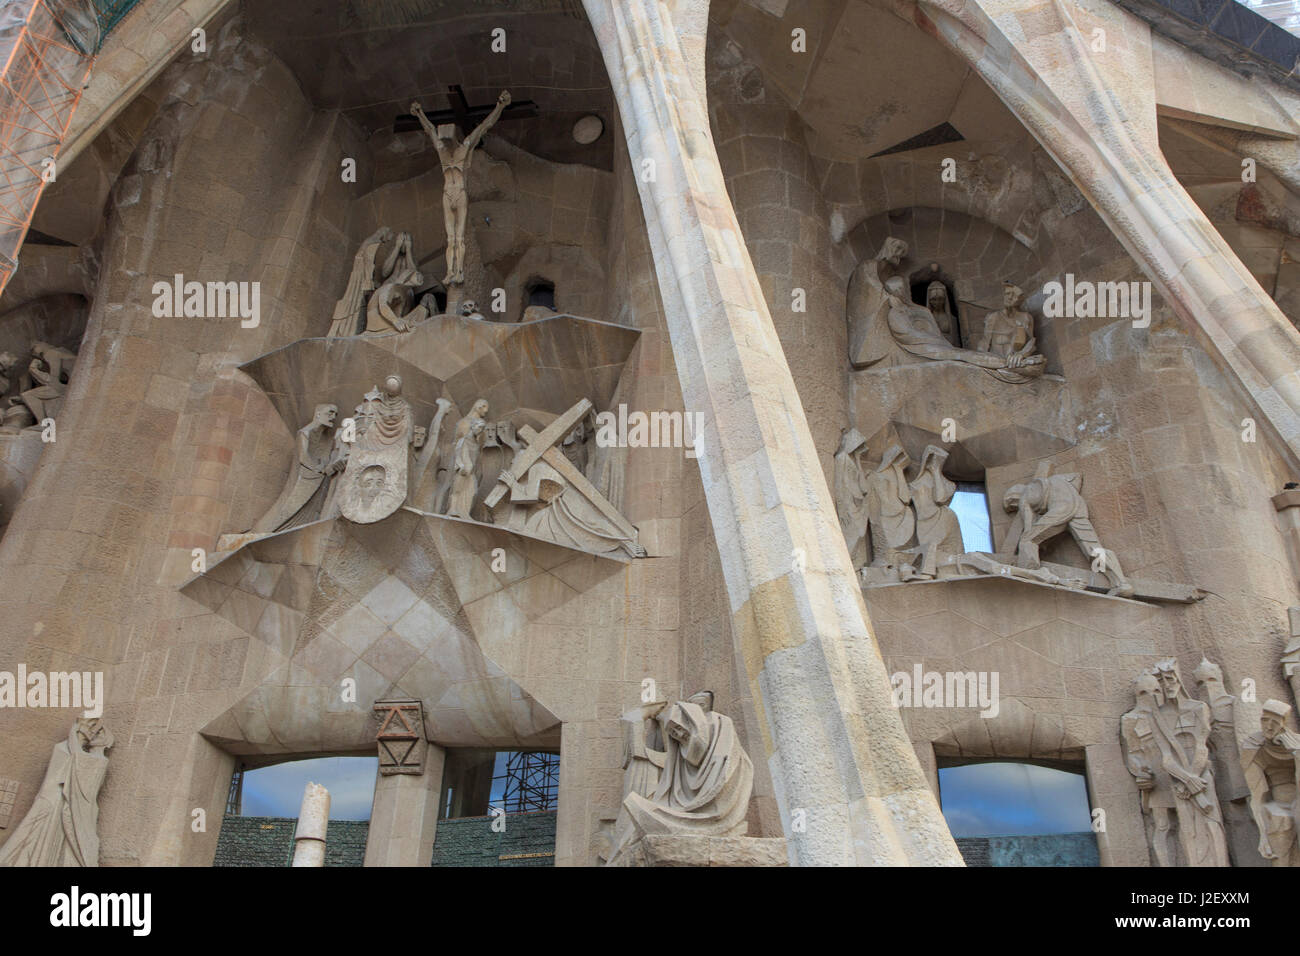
[{"x": 44, "y": 70}]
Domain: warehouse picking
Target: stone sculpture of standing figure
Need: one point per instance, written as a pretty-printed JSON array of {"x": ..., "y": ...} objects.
[
  {"x": 938, "y": 532},
  {"x": 1182, "y": 730},
  {"x": 868, "y": 304},
  {"x": 471, "y": 431},
  {"x": 348, "y": 310},
  {"x": 890, "y": 522},
  {"x": 850, "y": 495},
  {"x": 1145, "y": 761},
  {"x": 455, "y": 159},
  {"x": 61, "y": 828},
  {"x": 315, "y": 461}
]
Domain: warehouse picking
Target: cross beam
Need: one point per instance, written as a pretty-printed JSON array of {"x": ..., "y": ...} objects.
[{"x": 464, "y": 116}]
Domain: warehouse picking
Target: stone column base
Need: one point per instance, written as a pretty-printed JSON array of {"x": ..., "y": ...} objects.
[{"x": 664, "y": 850}]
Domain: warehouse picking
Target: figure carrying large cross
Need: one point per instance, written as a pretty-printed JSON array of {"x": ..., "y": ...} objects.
[{"x": 455, "y": 159}]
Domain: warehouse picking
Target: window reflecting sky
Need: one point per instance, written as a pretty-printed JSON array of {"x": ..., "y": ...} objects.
[
  {"x": 971, "y": 504},
  {"x": 1013, "y": 799},
  {"x": 277, "y": 791}
]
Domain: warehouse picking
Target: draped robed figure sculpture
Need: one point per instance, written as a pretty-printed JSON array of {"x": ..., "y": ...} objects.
[{"x": 61, "y": 828}]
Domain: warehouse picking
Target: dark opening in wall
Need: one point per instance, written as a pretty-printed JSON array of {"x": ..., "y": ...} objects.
[
  {"x": 541, "y": 292},
  {"x": 926, "y": 291}
]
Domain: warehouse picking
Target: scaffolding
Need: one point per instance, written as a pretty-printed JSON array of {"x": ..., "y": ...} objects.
[
  {"x": 531, "y": 782},
  {"x": 46, "y": 50}
]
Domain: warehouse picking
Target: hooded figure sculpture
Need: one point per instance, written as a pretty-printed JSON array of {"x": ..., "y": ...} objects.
[{"x": 704, "y": 786}]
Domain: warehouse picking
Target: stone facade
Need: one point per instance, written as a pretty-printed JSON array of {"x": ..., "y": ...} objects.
[{"x": 695, "y": 260}]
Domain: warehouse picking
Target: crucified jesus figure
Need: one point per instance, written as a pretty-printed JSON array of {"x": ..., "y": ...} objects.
[{"x": 455, "y": 159}]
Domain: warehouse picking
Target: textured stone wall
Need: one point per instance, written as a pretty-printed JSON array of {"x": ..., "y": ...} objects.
[
  {"x": 1057, "y": 849},
  {"x": 527, "y": 840},
  {"x": 268, "y": 841},
  {"x": 162, "y": 444}
]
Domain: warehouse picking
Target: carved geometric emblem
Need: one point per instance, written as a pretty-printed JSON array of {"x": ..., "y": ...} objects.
[{"x": 400, "y": 736}]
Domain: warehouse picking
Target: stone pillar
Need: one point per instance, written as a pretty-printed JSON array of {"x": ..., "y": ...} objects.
[
  {"x": 404, "y": 816},
  {"x": 835, "y": 746},
  {"x": 1099, "y": 126},
  {"x": 313, "y": 821}
]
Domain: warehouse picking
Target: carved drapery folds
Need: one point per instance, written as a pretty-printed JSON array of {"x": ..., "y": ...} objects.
[
  {"x": 685, "y": 774},
  {"x": 62, "y": 826}
]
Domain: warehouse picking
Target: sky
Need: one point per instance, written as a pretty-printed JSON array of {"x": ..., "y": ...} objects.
[
  {"x": 972, "y": 508},
  {"x": 1013, "y": 799},
  {"x": 277, "y": 791},
  {"x": 1285, "y": 13}
]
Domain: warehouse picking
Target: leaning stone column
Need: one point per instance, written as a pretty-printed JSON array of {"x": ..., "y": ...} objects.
[
  {"x": 313, "y": 820},
  {"x": 1097, "y": 120},
  {"x": 848, "y": 784}
]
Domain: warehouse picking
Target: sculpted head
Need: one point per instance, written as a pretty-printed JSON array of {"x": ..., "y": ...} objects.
[
  {"x": 393, "y": 386},
  {"x": 480, "y": 409},
  {"x": 325, "y": 415},
  {"x": 934, "y": 458},
  {"x": 91, "y": 734},
  {"x": 896, "y": 286},
  {"x": 894, "y": 455},
  {"x": 936, "y": 296},
  {"x": 469, "y": 307},
  {"x": 893, "y": 251},
  {"x": 1012, "y": 295},
  {"x": 1207, "y": 671},
  {"x": 1147, "y": 686},
  {"x": 1166, "y": 674},
  {"x": 1273, "y": 719},
  {"x": 688, "y": 726}
]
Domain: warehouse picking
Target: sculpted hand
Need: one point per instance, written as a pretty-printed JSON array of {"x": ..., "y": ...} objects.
[
  {"x": 416, "y": 109},
  {"x": 504, "y": 98}
]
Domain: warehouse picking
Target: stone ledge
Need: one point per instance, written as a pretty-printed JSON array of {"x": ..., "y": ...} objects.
[{"x": 665, "y": 850}]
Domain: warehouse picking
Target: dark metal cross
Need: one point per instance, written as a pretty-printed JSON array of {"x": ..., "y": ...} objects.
[{"x": 465, "y": 117}]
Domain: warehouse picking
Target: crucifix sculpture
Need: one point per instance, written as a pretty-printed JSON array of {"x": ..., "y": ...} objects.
[{"x": 455, "y": 158}]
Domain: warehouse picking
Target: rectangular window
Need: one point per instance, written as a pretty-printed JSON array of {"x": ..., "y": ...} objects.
[{"x": 971, "y": 505}]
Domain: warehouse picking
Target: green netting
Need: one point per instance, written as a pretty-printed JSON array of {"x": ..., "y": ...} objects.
[
  {"x": 87, "y": 22},
  {"x": 111, "y": 13}
]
